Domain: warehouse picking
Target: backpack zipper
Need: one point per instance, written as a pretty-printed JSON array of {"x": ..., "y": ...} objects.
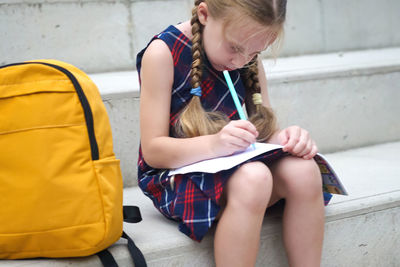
[{"x": 82, "y": 98}]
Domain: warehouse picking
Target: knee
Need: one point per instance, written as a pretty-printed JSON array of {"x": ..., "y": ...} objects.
[
  {"x": 302, "y": 178},
  {"x": 250, "y": 187}
]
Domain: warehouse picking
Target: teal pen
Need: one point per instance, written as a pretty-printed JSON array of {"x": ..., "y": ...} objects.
[{"x": 235, "y": 97}]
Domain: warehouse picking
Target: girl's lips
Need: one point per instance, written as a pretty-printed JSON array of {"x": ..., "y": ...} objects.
[
  {"x": 222, "y": 68},
  {"x": 228, "y": 69}
]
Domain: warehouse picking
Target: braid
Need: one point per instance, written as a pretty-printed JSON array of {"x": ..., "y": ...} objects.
[
  {"x": 261, "y": 116},
  {"x": 194, "y": 120},
  {"x": 252, "y": 85},
  {"x": 197, "y": 29}
]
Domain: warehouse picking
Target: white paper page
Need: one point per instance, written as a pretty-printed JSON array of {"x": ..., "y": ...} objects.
[{"x": 224, "y": 163}]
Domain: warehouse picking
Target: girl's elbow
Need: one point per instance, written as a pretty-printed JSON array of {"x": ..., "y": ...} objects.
[
  {"x": 149, "y": 158},
  {"x": 153, "y": 159}
]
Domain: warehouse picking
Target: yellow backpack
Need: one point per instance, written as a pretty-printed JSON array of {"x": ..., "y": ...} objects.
[{"x": 60, "y": 183}]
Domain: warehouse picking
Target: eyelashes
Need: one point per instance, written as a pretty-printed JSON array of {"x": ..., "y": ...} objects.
[{"x": 236, "y": 50}]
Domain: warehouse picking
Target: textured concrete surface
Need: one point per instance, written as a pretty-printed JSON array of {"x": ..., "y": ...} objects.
[
  {"x": 92, "y": 35},
  {"x": 105, "y": 35},
  {"x": 361, "y": 229}
]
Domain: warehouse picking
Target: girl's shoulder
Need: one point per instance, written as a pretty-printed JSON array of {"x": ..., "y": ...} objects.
[
  {"x": 172, "y": 40},
  {"x": 176, "y": 37},
  {"x": 157, "y": 52},
  {"x": 185, "y": 28}
]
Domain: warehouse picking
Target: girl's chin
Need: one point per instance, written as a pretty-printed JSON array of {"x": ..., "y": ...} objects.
[
  {"x": 221, "y": 68},
  {"x": 218, "y": 67}
]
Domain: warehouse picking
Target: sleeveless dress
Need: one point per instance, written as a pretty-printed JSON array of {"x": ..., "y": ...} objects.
[{"x": 193, "y": 199}]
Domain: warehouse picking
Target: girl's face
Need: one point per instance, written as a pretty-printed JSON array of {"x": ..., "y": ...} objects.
[{"x": 234, "y": 45}]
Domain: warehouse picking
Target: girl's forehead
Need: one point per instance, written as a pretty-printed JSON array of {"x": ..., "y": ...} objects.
[{"x": 250, "y": 34}]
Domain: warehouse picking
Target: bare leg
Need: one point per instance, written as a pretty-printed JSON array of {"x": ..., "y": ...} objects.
[
  {"x": 237, "y": 235},
  {"x": 299, "y": 182}
]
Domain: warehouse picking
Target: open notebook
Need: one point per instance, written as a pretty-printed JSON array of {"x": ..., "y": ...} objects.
[{"x": 331, "y": 181}]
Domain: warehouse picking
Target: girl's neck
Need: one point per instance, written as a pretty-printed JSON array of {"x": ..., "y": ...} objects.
[{"x": 185, "y": 28}]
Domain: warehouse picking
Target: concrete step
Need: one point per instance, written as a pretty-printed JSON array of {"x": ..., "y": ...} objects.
[
  {"x": 361, "y": 229},
  {"x": 103, "y": 35},
  {"x": 345, "y": 100}
]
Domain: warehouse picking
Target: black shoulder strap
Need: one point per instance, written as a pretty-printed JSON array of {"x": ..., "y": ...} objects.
[
  {"x": 131, "y": 215},
  {"x": 135, "y": 252},
  {"x": 107, "y": 258}
]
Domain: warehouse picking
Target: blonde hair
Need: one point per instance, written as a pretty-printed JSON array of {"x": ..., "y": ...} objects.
[{"x": 194, "y": 120}]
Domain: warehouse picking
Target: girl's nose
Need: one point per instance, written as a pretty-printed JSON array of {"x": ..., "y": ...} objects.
[{"x": 239, "y": 61}]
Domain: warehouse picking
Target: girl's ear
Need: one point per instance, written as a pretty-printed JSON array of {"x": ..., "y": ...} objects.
[{"x": 202, "y": 13}]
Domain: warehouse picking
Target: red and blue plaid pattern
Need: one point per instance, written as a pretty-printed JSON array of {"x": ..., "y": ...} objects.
[{"x": 192, "y": 199}]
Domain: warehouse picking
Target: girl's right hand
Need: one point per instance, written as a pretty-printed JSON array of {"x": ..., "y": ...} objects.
[{"x": 236, "y": 136}]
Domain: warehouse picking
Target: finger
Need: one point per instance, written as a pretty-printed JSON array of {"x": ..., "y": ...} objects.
[
  {"x": 283, "y": 138},
  {"x": 246, "y": 125},
  {"x": 233, "y": 148},
  {"x": 243, "y": 136},
  {"x": 237, "y": 136},
  {"x": 236, "y": 146},
  {"x": 312, "y": 153},
  {"x": 304, "y": 144},
  {"x": 243, "y": 132},
  {"x": 299, "y": 147},
  {"x": 232, "y": 143},
  {"x": 293, "y": 134},
  {"x": 307, "y": 149}
]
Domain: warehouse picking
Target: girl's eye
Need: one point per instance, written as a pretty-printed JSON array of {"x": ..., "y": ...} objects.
[
  {"x": 234, "y": 49},
  {"x": 255, "y": 54}
]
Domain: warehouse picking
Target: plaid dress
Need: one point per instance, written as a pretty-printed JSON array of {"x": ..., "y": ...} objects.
[{"x": 192, "y": 199}]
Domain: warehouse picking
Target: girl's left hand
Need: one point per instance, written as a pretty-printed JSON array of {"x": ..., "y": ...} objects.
[{"x": 297, "y": 142}]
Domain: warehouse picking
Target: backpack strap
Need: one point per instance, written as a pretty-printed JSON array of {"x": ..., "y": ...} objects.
[
  {"x": 135, "y": 252},
  {"x": 107, "y": 258},
  {"x": 131, "y": 215}
]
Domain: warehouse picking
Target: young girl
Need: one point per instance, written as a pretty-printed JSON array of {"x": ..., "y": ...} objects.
[{"x": 187, "y": 115}]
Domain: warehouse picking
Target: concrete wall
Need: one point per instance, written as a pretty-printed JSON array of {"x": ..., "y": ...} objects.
[
  {"x": 105, "y": 35},
  {"x": 342, "y": 112},
  {"x": 320, "y": 26},
  {"x": 97, "y": 36}
]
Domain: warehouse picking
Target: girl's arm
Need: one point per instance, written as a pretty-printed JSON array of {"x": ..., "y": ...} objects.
[
  {"x": 161, "y": 151},
  {"x": 294, "y": 139}
]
